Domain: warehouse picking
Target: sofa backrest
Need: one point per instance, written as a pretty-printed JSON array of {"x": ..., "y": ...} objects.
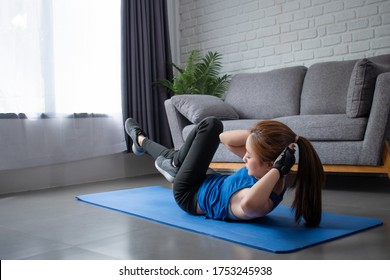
[
  {"x": 325, "y": 88},
  {"x": 327, "y": 85},
  {"x": 382, "y": 59},
  {"x": 266, "y": 95}
]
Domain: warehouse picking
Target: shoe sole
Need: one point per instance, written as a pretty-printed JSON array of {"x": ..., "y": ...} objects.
[
  {"x": 167, "y": 176},
  {"x": 135, "y": 151}
]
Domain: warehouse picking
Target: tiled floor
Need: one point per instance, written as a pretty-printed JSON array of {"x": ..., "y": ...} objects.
[{"x": 52, "y": 224}]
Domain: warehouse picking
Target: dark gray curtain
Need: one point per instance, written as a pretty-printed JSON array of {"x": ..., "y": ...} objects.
[{"x": 146, "y": 58}]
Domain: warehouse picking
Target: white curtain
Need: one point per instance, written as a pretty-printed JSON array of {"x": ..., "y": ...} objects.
[{"x": 60, "y": 85}]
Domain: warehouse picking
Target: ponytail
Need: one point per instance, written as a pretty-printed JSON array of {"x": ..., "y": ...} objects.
[
  {"x": 308, "y": 184},
  {"x": 270, "y": 138}
]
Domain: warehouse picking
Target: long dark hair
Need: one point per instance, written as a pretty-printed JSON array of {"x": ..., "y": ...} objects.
[{"x": 270, "y": 138}]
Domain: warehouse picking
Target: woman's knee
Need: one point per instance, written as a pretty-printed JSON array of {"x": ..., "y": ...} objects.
[{"x": 213, "y": 124}]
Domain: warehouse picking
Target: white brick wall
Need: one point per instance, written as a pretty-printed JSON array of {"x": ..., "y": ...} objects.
[{"x": 259, "y": 35}]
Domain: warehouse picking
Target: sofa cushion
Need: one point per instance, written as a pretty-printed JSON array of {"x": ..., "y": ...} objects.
[
  {"x": 196, "y": 107},
  {"x": 362, "y": 86},
  {"x": 266, "y": 95},
  {"x": 329, "y": 127},
  {"x": 325, "y": 88}
]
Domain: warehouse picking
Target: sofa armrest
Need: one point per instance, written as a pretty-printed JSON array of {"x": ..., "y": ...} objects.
[
  {"x": 377, "y": 122},
  {"x": 186, "y": 109},
  {"x": 176, "y": 122}
]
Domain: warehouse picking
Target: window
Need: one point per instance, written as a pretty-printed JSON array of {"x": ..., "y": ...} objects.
[{"x": 59, "y": 56}]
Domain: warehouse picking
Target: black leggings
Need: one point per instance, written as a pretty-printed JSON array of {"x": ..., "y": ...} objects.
[{"x": 193, "y": 160}]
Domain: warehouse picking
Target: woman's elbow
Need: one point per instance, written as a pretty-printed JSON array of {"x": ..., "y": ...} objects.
[
  {"x": 222, "y": 138},
  {"x": 253, "y": 210}
]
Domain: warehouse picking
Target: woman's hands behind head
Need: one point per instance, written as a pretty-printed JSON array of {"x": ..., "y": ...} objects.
[{"x": 285, "y": 161}]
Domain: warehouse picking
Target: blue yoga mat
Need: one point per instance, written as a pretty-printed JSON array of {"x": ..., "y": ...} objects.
[{"x": 277, "y": 232}]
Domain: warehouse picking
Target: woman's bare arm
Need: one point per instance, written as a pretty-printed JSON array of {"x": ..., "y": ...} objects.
[
  {"x": 235, "y": 141},
  {"x": 254, "y": 202}
]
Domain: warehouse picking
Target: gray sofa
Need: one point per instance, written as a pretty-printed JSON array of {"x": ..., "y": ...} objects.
[{"x": 341, "y": 106}]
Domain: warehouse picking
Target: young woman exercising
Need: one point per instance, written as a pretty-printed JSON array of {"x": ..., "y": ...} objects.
[{"x": 251, "y": 192}]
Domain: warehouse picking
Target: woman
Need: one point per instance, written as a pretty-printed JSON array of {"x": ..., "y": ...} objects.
[{"x": 253, "y": 191}]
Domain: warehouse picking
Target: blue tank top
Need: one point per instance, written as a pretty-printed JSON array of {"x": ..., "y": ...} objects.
[{"x": 215, "y": 192}]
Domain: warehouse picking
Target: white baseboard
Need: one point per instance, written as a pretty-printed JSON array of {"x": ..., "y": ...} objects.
[{"x": 104, "y": 168}]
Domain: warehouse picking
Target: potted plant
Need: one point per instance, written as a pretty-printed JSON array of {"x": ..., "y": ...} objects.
[{"x": 199, "y": 76}]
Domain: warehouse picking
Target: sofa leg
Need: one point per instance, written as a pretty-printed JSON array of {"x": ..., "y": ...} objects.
[{"x": 386, "y": 158}]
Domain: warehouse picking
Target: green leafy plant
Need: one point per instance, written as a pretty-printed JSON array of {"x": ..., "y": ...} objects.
[{"x": 199, "y": 76}]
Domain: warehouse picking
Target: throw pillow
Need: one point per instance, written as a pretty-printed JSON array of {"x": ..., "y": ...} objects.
[
  {"x": 361, "y": 87},
  {"x": 197, "y": 107}
]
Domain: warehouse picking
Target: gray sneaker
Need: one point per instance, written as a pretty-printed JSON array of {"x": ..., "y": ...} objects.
[
  {"x": 165, "y": 167},
  {"x": 133, "y": 130}
]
